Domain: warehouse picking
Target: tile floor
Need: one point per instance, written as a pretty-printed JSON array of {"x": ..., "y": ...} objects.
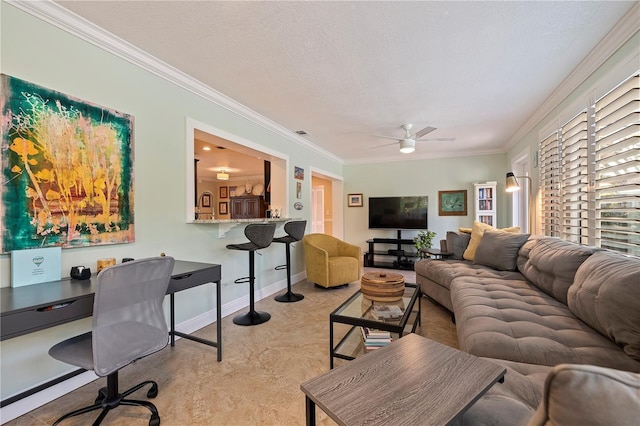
[{"x": 258, "y": 380}]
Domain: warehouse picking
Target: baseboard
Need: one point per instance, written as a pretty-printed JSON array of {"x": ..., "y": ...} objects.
[{"x": 47, "y": 395}]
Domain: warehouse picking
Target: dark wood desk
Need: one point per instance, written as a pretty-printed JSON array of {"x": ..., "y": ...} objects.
[{"x": 40, "y": 306}]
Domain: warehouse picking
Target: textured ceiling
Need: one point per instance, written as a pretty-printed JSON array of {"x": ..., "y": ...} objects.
[{"x": 344, "y": 71}]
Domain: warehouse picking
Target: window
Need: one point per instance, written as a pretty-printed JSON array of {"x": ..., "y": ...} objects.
[
  {"x": 617, "y": 168},
  {"x": 549, "y": 163},
  {"x": 574, "y": 179},
  {"x": 590, "y": 181}
]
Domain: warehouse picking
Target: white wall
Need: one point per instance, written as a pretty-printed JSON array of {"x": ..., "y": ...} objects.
[
  {"x": 421, "y": 177},
  {"x": 58, "y": 60},
  {"x": 620, "y": 65}
]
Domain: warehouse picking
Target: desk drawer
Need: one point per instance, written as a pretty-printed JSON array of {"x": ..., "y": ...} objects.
[
  {"x": 194, "y": 279},
  {"x": 19, "y": 323}
]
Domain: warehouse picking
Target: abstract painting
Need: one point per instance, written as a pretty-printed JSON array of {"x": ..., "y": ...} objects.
[{"x": 67, "y": 170}]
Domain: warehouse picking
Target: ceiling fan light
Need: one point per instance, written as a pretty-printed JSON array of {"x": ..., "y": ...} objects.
[
  {"x": 407, "y": 146},
  {"x": 223, "y": 176}
]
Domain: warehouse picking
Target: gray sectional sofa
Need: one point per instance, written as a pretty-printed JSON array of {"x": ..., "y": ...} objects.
[{"x": 534, "y": 304}]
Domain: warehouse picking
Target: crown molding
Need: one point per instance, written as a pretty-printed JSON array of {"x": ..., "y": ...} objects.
[
  {"x": 626, "y": 28},
  {"x": 56, "y": 15}
]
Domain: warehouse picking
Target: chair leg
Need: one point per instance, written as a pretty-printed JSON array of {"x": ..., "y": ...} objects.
[
  {"x": 252, "y": 317},
  {"x": 109, "y": 398},
  {"x": 289, "y": 296}
]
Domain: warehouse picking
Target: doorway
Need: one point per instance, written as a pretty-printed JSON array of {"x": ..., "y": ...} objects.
[
  {"x": 326, "y": 203},
  {"x": 520, "y": 201},
  {"x": 317, "y": 212}
]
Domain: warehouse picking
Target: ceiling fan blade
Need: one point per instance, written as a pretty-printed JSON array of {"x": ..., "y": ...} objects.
[
  {"x": 436, "y": 139},
  {"x": 382, "y": 146},
  {"x": 424, "y": 131},
  {"x": 387, "y": 137}
]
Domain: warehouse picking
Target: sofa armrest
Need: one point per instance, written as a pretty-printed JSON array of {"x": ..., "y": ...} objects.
[{"x": 585, "y": 394}]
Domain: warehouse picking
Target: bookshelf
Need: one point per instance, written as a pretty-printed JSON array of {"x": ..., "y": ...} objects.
[{"x": 486, "y": 202}]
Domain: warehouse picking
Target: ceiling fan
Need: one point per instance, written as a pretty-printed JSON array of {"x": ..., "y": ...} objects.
[{"x": 408, "y": 142}]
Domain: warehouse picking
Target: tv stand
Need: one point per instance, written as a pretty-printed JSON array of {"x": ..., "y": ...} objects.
[{"x": 397, "y": 257}]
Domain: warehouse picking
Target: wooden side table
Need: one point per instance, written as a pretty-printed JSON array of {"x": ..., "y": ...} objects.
[{"x": 412, "y": 381}]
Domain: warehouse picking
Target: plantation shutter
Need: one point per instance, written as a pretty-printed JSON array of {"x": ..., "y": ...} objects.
[
  {"x": 575, "y": 179},
  {"x": 617, "y": 165},
  {"x": 549, "y": 164}
]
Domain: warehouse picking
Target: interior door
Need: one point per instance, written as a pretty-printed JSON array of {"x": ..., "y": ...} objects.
[{"x": 317, "y": 210}]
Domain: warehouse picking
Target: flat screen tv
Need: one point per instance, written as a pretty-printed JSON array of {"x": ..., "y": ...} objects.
[{"x": 398, "y": 212}]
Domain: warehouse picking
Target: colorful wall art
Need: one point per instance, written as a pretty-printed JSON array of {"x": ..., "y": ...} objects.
[{"x": 67, "y": 170}]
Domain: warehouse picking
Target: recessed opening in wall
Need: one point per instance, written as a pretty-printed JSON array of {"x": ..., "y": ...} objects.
[{"x": 229, "y": 177}]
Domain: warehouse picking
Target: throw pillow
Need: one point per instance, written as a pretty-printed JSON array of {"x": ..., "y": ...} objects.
[
  {"x": 499, "y": 250},
  {"x": 476, "y": 234},
  {"x": 457, "y": 243},
  {"x": 464, "y": 230}
]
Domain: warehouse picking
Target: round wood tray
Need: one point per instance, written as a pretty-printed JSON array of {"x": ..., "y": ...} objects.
[{"x": 382, "y": 286}]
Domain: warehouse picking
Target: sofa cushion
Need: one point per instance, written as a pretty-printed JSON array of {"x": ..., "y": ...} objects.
[
  {"x": 584, "y": 394},
  {"x": 606, "y": 295},
  {"x": 444, "y": 271},
  {"x": 457, "y": 243},
  {"x": 477, "y": 231},
  {"x": 499, "y": 250},
  {"x": 552, "y": 264},
  {"x": 513, "y": 402},
  {"x": 514, "y": 320}
]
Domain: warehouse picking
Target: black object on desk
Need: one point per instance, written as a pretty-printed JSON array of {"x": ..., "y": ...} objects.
[
  {"x": 80, "y": 273},
  {"x": 36, "y": 307}
]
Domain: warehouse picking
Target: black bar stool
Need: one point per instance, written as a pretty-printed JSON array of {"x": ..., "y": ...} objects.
[
  {"x": 260, "y": 236},
  {"x": 295, "y": 232}
]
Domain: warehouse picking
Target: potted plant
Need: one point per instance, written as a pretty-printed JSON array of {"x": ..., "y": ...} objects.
[{"x": 422, "y": 241}]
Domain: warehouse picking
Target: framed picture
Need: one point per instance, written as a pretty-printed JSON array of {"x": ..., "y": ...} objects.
[
  {"x": 48, "y": 197},
  {"x": 452, "y": 203},
  {"x": 223, "y": 207},
  {"x": 354, "y": 200},
  {"x": 298, "y": 173},
  {"x": 298, "y": 190},
  {"x": 206, "y": 200},
  {"x": 224, "y": 192},
  {"x": 232, "y": 191}
]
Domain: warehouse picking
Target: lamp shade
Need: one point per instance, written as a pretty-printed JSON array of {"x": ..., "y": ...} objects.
[
  {"x": 223, "y": 176},
  {"x": 512, "y": 183},
  {"x": 407, "y": 146}
]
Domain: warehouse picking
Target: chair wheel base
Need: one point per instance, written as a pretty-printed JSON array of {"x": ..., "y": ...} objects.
[
  {"x": 251, "y": 318},
  {"x": 289, "y": 297}
]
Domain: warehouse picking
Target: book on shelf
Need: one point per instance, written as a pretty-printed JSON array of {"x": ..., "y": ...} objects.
[
  {"x": 386, "y": 312},
  {"x": 372, "y": 334},
  {"x": 374, "y": 339}
]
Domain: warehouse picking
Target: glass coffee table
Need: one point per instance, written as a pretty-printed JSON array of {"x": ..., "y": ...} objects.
[{"x": 357, "y": 311}]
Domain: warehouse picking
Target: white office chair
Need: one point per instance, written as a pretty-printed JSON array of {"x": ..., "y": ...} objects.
[{"x": 128, "y": 324}]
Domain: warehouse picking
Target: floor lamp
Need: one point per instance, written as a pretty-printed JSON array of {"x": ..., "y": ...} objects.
[{"x": 513, "y": 185}]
